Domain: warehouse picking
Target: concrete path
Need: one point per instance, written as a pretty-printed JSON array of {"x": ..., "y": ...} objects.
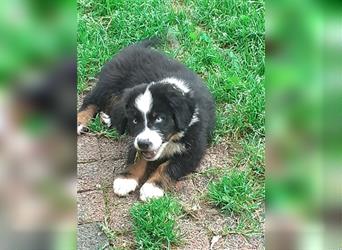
[{"x": 100, "y": 159}]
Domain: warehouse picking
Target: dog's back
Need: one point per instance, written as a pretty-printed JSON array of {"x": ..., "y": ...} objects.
[{"x": 135, "y": 65}]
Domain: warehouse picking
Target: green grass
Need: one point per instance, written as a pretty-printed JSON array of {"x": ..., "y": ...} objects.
[
  {"x": 237, "y": 195},
  {"x": 98, "y": 128},
  {"x": 252, "y": 159},
  {"x": 106, "y": 26},
  {"x": 241, "y": 192},
  {"x": 223, "y": 41},
  {"x": 154, "y": 223}
]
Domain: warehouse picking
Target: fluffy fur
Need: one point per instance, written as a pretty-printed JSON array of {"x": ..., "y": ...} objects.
[{"x": 161, "y": 103}]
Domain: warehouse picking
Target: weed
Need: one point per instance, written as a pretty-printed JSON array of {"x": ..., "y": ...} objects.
[
  {"x": 213, "y": 172},
  {"x": 105, "y": 226},
  {"x": 252, "y": 158},
  {"x": 236, "y": 194},
  {"x": 154, "y": 223},
  {"x": 97, "y": 127},
  {"x": 110, "y": 234}
]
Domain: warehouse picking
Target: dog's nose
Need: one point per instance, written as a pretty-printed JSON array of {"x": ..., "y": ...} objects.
[{"x": 144, "y": 144}]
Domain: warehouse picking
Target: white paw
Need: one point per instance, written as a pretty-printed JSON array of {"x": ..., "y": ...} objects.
[
  {"x": 123, "y": 186},
  {"x": 149, "y": 191},
  {"x": 105, "y": 119}
]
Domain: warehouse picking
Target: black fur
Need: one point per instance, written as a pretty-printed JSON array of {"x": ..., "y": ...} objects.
[{"x": 128, "y": 74}]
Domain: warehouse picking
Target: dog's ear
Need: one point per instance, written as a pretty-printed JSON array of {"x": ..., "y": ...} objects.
[{"x": 182, "y": 105}]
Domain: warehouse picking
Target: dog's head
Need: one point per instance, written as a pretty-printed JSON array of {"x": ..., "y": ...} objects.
[{"x": 156, "y": 114}]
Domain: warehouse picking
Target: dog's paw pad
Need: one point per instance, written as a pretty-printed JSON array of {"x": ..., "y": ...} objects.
[
  {"x": 150, "y": 191},
  {"x": 123, "y": 186},
  {"x": 105, "y": 119},
  {"x": 81, "y": 129}
]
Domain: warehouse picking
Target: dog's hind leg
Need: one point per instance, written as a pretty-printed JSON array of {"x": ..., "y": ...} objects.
[
  {"x": 90, "y": 107},
  {"x": 105, "y": 119},
  {"x": 84, "y": 116},
  {"x": 95, "y": 101}
]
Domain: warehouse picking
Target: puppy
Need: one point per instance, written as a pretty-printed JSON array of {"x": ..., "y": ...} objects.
[{"x": 164, "y": 105}]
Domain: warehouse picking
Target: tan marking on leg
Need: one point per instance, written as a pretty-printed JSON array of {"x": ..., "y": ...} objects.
[
  {"x": 157, "y": 184},
  {"x": 129, "y": 180},
  {"x": 160, "y": 177},
  {"x": 86, "y": 115},
  {"x": 137, "y": 170}
]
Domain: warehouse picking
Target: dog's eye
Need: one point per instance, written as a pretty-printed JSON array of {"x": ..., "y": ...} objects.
[
  {"x": 159, "y": 119},
  {"x": 135, "y": 121}
]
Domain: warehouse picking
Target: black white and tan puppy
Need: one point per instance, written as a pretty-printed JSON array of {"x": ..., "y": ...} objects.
[{"x": 161, "y": 103}]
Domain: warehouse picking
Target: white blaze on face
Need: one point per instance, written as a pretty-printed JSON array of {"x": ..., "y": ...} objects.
[{"x": 144, "y": 104}]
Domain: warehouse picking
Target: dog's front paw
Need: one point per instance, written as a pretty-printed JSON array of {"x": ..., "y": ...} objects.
[
  {"x": 123, "y": 186},
  {"x": 149, "y": 191}
]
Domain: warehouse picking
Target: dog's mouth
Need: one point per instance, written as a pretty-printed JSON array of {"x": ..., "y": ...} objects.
[{"x": 149, "y": 155}]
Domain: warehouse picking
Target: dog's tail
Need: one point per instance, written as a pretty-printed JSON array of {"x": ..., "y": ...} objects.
[{"x": 148, "y": 43}]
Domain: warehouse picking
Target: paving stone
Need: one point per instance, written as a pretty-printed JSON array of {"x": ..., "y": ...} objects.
[
  {"x": 213, "y": 220},
  {"x": 187, "y": 193},
  {"x": 87, "y": 148},
  {"x": 237, "y": 242},
  {"x": 120, "y": 220},
  {"x": 119, "y": 207},
  {"x": 119, "y": 166},
  {"x": 219, "y": 155},
  {"x": 90, "y": 206},
  {"x": 125, "y": 241},
  {"x": 95, "y": 175},
  {"x": 113, "y": 149},
  {"x": 194, "y": 236},
  {"x": 197, "y": 229},
  {"x": 89, "y": 237}
]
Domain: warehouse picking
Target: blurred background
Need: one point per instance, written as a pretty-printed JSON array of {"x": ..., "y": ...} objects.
[
  {"x": 37, "y": 117},
  {"x": 304, "y": 124},
  {"x": 38, "y": 112}
]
